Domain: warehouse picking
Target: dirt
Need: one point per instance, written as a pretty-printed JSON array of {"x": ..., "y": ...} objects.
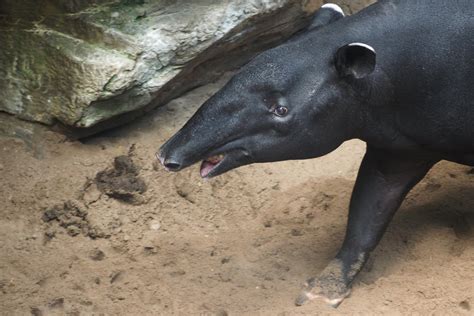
[
  {"x": 240, "y": 244},
  {"x": 122, "y": 181}
]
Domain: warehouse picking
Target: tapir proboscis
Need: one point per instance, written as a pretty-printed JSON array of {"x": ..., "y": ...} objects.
[{"x": 399, "y": 75}]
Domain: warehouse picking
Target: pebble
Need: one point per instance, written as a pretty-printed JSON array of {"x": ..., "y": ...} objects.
[
  {"x": 116, "y": 276},
  {"x": 97, "y": 255},
  {"x": 56, "y": 303},
  {"x": 155, "y": 225},
  {"x": 225, "y": 260},
  {"x": 296, "y": 232}
]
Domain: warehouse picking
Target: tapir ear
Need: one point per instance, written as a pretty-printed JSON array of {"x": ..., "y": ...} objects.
[
  {"x": 327, "y": 14},
  {"x": 356, "y": 60}
]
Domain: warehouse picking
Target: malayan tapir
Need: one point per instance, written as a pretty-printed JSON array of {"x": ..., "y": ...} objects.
[{"x": 398, "y": 75}]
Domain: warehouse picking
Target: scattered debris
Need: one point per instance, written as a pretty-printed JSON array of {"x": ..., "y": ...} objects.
[
  {"x": 122, "y": 182},
  {"x": 72, "y": 216}
]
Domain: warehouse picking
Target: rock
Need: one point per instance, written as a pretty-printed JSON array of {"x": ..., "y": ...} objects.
[
  {"x": 225, "y": 260},
  {"x": 56, "y": 303},
  {"x": 97, "y": 255},
  {"x": 88, "y": 65},
  {"x": 116, "y": 276},
  {"x": 97, "y": 63},
  {"x": 155, "y": 225},
  {"x": 296, "y": 232}
]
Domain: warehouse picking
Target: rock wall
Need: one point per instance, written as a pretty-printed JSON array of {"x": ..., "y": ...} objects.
[{"x": 92, "y": 64}]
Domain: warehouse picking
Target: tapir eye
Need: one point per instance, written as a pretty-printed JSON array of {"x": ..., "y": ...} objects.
[{"x": 281, "y": 110}]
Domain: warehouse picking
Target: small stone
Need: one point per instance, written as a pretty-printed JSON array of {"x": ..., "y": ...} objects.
[
  {"x": 50, "y": 214},
  {"x": 56, "y": 303},
  {"x": 150, "y": 250},
  {"x": 225, "y": 260},
  {"x": 155, "y": 225},
  {"x": 116, "y": 276},
  {"x": 296, "y": 232},
  {"x": 49, "y": 234},
  {"x": 97, "y": 255},
  {"x": 73, "y": 230},
  {"x": 178, "y": 273},
  {"x": 35, "y": 311}
]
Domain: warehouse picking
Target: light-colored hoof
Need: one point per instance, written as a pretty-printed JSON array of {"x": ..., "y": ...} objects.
[{"x": 312, "y": 293}]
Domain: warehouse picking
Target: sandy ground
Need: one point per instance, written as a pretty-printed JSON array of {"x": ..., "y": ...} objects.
[{"x": 240, "y": 244}]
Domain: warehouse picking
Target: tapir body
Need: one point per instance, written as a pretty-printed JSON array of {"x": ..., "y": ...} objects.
[{"x": 398, "y": 75}]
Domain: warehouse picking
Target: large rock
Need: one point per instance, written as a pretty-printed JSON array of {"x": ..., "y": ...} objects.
[
  {"x": 92, "y": 64},
  {"x": 84, "y": 63}
]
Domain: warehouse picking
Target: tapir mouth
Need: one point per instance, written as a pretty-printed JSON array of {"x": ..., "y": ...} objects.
[
  {"x": 210, "y": 164},
  {"x": 218, "y": 161}
]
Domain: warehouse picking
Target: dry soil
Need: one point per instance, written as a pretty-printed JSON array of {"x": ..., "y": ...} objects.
[{"x": 137, "y": 240}]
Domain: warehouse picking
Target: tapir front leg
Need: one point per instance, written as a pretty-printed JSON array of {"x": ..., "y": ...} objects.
[{"x": 384, "y": 180}]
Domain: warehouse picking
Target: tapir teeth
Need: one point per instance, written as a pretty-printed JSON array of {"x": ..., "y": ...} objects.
[{"x": 215, "y": 159}]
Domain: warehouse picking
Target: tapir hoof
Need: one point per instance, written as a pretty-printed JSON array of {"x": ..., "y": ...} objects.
[{"x": 333, "y": 296}]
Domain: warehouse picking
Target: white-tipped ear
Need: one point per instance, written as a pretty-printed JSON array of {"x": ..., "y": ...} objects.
[
  {"x": 356, "y": 60},
  {"x": 327, "y": 14},
  {"x": 334, "y": 7}
]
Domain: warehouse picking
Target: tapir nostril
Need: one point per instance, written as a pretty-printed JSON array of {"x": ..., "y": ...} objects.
[{"x": 172, "y": 165}]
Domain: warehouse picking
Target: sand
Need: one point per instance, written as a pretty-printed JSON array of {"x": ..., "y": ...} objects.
[{"x": 239, "y": 244}]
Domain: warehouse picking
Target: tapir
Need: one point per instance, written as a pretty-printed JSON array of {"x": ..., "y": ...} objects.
[{"x": 398, "y": 75}]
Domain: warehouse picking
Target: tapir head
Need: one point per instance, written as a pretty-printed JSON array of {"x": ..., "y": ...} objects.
[{"x": 287, "y": 103}]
